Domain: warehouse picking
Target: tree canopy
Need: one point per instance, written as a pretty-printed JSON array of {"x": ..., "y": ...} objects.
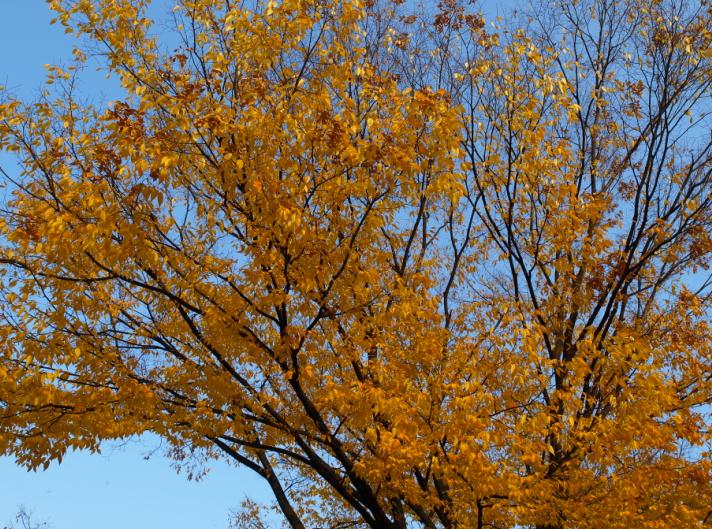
[{"x": 413, "y": 267}]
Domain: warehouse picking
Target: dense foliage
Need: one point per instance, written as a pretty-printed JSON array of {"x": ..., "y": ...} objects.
[{"x": 413, "y": 268}]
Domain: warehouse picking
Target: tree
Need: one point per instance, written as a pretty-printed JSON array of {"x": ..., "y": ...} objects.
[
  {"x": 411, "y": 269},
  {"x": 23, "y": 520}
]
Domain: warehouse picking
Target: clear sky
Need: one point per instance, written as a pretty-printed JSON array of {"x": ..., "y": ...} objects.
[{"x": 118, "y": 489}]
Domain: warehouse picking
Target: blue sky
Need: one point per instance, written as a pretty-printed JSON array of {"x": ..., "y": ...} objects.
[{"x": 117, "y": 489}]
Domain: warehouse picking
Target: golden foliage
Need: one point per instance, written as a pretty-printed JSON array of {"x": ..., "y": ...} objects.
[{"x": 433, "y": 271}]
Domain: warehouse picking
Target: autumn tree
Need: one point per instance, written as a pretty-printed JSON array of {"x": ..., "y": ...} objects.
[
  {"x": 413, "y": 268},
  {"x": 24, "y": 520}
]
